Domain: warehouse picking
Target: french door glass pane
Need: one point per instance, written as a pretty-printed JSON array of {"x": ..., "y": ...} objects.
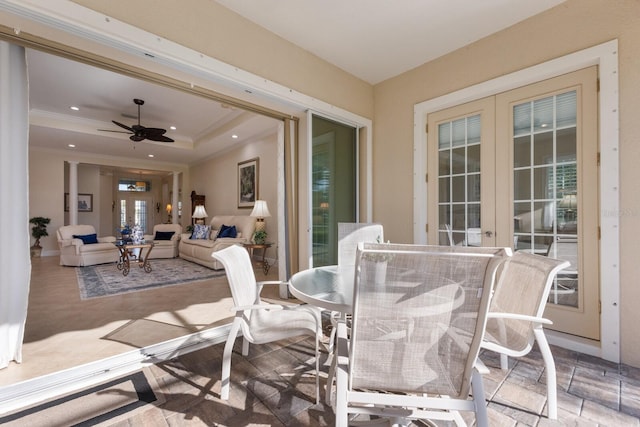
[
  {"x": 459, "y": 179},
  {"x": 545, "y": 185}
]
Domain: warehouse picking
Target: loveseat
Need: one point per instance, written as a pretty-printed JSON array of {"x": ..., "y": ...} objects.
[
  {"x": 198, "y": 246},
  {"x": 80, "y": 246},
  {"x": 165, "y": 239}
]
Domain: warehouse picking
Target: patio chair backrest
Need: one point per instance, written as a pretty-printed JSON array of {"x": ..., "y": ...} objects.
[
  {"x": 408, "y": 300},
  {"x": 240, "y": 275},
  {"x": 352, "y": 233},
  {"x": 522, "y": 287}
]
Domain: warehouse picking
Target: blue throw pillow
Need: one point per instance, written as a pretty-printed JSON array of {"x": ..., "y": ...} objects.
[
  {"x": 164, "y": 235},
  {"x": 228, "y": 231},
  {"x": 87, "y": 239},
  {"x": 200, "y": 231}
]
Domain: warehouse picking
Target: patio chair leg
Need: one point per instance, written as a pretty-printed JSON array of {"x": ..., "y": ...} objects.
[
  {"x": 550, "y": 367},
  {"x": 226, "y": 359},
  {"x": 504, "y": 362},
  {"x": 477, "y": 388}
]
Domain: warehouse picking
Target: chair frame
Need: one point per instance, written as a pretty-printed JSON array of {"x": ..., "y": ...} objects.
[
  {"x": 402, "y": 407},
  {"x": 537, "y": 332},
  {"x": 240, "y": 324}
]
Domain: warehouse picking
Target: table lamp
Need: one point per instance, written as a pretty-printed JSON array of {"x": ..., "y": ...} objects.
[
  {"x": 168, "y": 208},
  {"x": 199, "y": 214},
  {"x": 260, "y": 211}
]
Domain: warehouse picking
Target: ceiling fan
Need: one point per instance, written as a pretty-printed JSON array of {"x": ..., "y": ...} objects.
[{"x": 139, "y": 132}]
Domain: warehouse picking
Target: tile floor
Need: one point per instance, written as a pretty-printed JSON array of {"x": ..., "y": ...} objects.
[{"x": 274, "y": 385}]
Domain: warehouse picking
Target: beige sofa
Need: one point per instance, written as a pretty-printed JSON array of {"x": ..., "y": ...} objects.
[
  {"x": 200, "y": 250},
  {"x": 74, "y": 252},
  {"x": 164, "y": 248}
]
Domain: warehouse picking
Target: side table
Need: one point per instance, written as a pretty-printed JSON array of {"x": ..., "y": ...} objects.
[{"x": 264, "y": 246}]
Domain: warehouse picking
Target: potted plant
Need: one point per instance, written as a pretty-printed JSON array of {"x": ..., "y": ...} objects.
[
  {"x": 38, "y": 230},
  {"x": 259, "y": 237}
]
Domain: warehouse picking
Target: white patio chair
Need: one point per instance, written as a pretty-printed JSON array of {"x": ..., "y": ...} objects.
[
  {"x": 515, "y": 315},
  {"x": 405, "y": 359},
  {"x": 259, "y": 321},
  {"x": 349, "y": 235}
]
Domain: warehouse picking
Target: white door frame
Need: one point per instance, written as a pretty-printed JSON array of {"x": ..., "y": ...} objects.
[{"x": 605, "y": 56}]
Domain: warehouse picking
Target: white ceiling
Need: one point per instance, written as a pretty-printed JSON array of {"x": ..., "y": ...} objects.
[
  {"x": 371, "y": 39},
  {"x": 379, "y": 39}
]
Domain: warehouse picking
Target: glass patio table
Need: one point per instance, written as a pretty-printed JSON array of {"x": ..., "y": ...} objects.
[{"x": 326, "y": 287}]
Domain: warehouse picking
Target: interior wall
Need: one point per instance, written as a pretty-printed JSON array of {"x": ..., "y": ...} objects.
[
  {"x": 46, "y": 188},
  {"x": 569, "y": 27},
  {"x": 217, "y": 179}
]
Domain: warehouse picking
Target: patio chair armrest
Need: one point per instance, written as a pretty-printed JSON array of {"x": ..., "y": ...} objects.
[{"x": 514, "y": 316}]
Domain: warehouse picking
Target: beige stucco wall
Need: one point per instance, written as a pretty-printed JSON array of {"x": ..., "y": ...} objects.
[{"x": 572, "y": 26}]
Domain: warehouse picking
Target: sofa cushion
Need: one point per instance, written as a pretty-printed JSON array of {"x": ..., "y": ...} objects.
[
  {"x": 87, "y": 239},
  {"x": 228, "y": 231},
  {"x": 200, "y": 231},
  {"x": 205, "y": 243},
  {"x": 163, "y": 235}
]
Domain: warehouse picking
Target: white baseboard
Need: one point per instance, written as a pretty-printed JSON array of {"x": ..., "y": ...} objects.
[{"x": 36, "y": 390}]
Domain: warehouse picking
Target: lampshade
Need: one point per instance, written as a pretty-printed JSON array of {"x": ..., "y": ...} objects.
[
  {"x": 168, "y": 208},
  {"x": 199, "y": 212},
  {"x": 260, "y": 209}
]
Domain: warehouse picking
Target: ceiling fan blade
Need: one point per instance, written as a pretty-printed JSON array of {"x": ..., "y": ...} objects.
[
  {"x": 123, "y": 126},
  {"x": 159, "y": 138},
  {"x": 116, "y": 131}
]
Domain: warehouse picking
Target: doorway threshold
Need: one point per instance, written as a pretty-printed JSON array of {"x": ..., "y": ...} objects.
[{"x": 37, "y": 390}]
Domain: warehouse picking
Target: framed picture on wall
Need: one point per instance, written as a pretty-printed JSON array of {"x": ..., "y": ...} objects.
[
  {"x": 85, "y": 202},
  {"x": 248, "y": 183}
]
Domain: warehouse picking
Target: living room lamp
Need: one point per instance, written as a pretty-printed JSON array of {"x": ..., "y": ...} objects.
[
  {"x": 168, "y": 208},
  {"x": 260, "y": 211},
  {"x": 199, "y": 214}
]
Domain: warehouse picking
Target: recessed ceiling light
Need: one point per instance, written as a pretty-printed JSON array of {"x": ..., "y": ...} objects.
[
  {"x": 71, "y": 145},
  {"x": 172, "y": 127},
  {"x": 234, "y": 136},
  {"x": 150, "y": 155},
  {"x": 74, "y": 108}
]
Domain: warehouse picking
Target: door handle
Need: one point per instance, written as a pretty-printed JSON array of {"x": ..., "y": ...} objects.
[{"x": 488, "y": 233}]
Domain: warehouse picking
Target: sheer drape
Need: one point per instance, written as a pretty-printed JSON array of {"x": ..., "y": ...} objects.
[{"x": 15, "y": 264}]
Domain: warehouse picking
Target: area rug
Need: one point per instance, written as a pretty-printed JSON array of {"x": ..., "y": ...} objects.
[
  {"x": 106, "y": 280},
  {"x": 101, "y": 405}
]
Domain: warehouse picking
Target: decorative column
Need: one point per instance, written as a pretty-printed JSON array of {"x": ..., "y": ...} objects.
[
  {"x": 73, "y": 193},
  {"x": 174, "y": 198}
]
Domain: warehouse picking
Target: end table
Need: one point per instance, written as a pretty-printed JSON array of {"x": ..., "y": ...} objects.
[{"x": 264, "y": 246}]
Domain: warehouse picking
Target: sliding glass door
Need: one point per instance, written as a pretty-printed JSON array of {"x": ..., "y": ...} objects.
[{"x": 334, "y": 192}]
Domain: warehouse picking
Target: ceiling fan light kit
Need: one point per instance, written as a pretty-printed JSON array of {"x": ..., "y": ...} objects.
[{"x": 139, "y": 132}]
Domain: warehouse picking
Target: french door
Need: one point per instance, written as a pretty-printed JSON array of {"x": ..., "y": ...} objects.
[
  {"x": 136, "y": 209},
  {"x": 520, "y": 169}
]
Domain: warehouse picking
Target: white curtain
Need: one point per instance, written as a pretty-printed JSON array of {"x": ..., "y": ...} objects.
[{"x": 15, "y": 264}]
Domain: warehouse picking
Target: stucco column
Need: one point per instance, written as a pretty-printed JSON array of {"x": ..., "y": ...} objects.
[
  {"x": 174, "y": 198},
  {"x": 73, "y": 193}
]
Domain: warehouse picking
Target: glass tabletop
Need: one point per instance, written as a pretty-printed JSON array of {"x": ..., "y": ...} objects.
[{"x": 326, "y": 287}]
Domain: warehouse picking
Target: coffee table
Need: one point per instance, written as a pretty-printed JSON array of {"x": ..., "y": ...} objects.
[{"x": 127, "y": 253}]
